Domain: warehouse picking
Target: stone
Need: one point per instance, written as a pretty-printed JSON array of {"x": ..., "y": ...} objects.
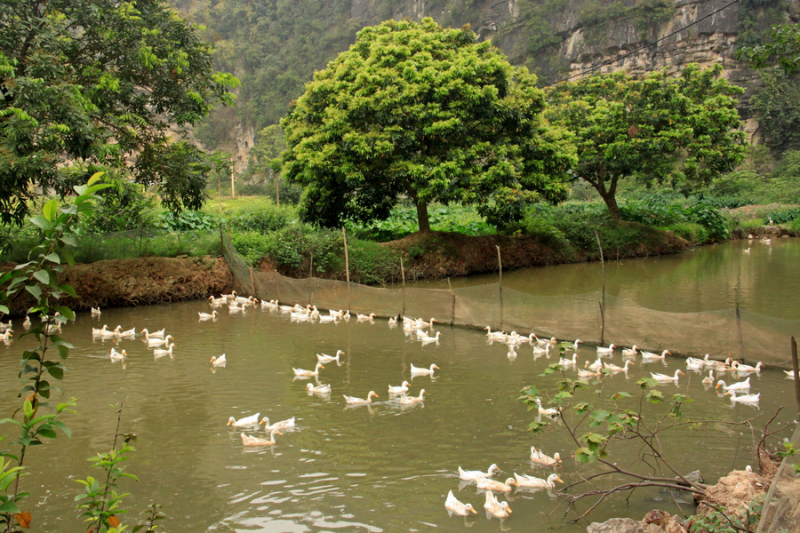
[{"x": 622, "y": 525}]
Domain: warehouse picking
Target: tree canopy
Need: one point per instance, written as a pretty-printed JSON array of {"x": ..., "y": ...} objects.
[
  {"x": 781, "y": 48},
  {"x": 418, "y": 110},
  {"x": 678, "y": 129},
  {"x": 99, "y": 83}
]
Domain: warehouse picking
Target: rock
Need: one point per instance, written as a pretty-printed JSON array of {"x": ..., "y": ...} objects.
[
  {"x": 733, "y": 493},
  {"x": 622, "y": 525},
  {"x": 664, "y": 522},
  {"x": 692, "y": 477}
]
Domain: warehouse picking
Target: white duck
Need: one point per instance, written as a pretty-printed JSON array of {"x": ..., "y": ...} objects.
[
  {"x": 484, "y": 483},
  {"x": 740, "y": 386},
  {"x": 421, "y": 323},
  {"x": 283, "y": 424},
  {"x": 352, "y": 400},
  {"x": 247, "y": 440},
  {"x": 606, "y": 351},
  {"x": 247, "y": 421},
  {"x": 739, "y": 367},
  {"x": 543, "y": 459},
  {"x": 537, "y": 482},
  {"x": 495, "y": 335},
  {"x": 629, "y": 352},
  {"x": 96, "y": 311},
  {"x": 495, "y": 508},
  {"x": 614, "y": 368},
  {"x": 325, "y": 358},
  {"x": 208, "y": 316},
  {"x": 118, "y": 356},
  {"x": 538, "y": 350},
  {"x": 158, "y": 342},
  {"x": 407, "y": 400},
  {"x": 299, "y": 372},
  {"x": 327, "y": 319},
  {"x": 399, "y": 390},
  {"x": 473, "y": 475},
  {"x": 318, "y": 389},
  {"x": 664, "y": 378},
  {"x": 695, "y": 364},
  {"x": 98, "y": 332},
  {"x": 366, "y": 318},
  {"x": 651, "y": 355},
  {"x": 745, "y": 398},
  {"x": 588, "y": 373},
  {"x": 159, "y": 352},
  {"x": 597, "y": 366},
  {"x": 219, "y": 361},
  {"x": 127, "y": 334},
  {"x": 575, "y": 344},
  {"x": 568, "y": 362},
  {"x": 789, "y": 373},
  {"x": 27, "y": 323},
  {"x": 455, "y": 507},
  {"x": 547, "y": 412},
  {"x": 415, "y": 370},
  {"x": 156, "y": 334},
  {"x": 709, "y": 379}
]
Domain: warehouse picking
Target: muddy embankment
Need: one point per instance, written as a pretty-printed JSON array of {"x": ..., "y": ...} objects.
[{"x": 142, "y": 281}]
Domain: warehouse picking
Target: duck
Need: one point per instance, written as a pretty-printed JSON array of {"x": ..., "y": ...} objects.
[
  {"x": 366, "y": 318},
  {"x": 399, "y": 390},
  {"x": 308, "y": 373},
  {"x": 208, "y": 316},
  {"x": 27, "y": 324},
  {"x": 423, "y": 371},
  {"x": 739, "y": 367},
  {"x": 96, "y": 311},
  {"x": 352, "y": 400},
  {"x": 563, "y": 361},
  {"x": 495, "y": 508},
  {"x": 429, "y": 339},
  {"x": 6, "y": 336},
  {"x": 575, "y": 344},
  {"x": 406, "y": 400},
  {"x": 346, "y": 316},
  {"x": 546, "y": 411},
  {"x": 158, "y": 352},
  {"x": 49, "y": 329},
  {"x": 247, "y": 440},
  {"x": 214, "y": 302},
  {"x": 789, "y": 373},
  {"x": 219, "y": 361},
  {"x": 543, "y": 459},
  {"x": 614, "y": 368},
  {"x": 538, "y": 350},
  {"x": 709, "y": 379},
  {"x": 325, "y": 358},
  {"x": 629, "y": 352},
  {"x": 588, "y": 373},
  {"x": 512, "y": 353},
  {"x": 746, "y": 250},
  {"x": 327, "y": 319},
  {"x": 156, "y": 334},
  {"x": 547, "y": 342},
  {"x": 651, "y": 355},
  {"x": 118, "y": 356},
  {"x": 318, "y": 389},
  {"x": 158, "y": 342},
  {"x": 247, "y": 421},
  {"x": 473, "y": 475},
  {"x": 283, "y": 424},
  {"x": 494, "y": 335},
  {"x": 606, "y": 351},
  {"x": 740, "y": 386},
  {"x": 484, "y": 483},
  {"x": 127, "y": 334},
  {"x": 525, "y": 480},
  {"x": 745, "y": 398},
  {"x": 664, "y": 378},
  {"x": 392, "y": 321},
  {"x": 455, "y": 507},
  {"x": 98, "y": 332},
  {"x": 695, "y": 364},
  {"x": 105, "y": 333},
  {"x": 597, "y": 366},
  {"x": 421, "y": 323}
]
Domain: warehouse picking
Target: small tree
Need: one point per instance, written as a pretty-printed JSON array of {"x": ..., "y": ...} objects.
[
  {"x": 682, "y": 130},
  {"x": 419, "y": 110}
]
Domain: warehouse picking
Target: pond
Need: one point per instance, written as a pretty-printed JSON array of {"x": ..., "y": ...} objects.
[{"x": 380, "y": 468}]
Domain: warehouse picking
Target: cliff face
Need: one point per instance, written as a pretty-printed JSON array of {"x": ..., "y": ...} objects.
[{"x": 555, "y": 38}]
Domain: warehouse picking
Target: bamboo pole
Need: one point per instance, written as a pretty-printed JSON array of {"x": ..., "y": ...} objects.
[
  {"x": 603, "y": 295},
  {"x": 346, "y": 266},
  {"x": 796, "y": 373},
  {"x": 403, "y": 274},
  {"x": 500, "y": 285}
]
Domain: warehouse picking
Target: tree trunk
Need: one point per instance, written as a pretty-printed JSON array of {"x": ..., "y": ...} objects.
[
  {"x": 422, "y": 216},
  {"x": 613, "y": 209}
]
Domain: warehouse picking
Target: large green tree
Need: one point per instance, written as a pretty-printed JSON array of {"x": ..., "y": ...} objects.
[
  {"x": 101, "y": 83},
  {"x": 417, "y": 110},
  {"x": 683, "y": 130},
  {"x": 781, "y": 47}
]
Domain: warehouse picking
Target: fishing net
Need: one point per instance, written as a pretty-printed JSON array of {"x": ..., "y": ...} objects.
[{"x": 738, "y": 334}]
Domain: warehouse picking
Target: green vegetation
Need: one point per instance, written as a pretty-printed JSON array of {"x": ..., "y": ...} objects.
[
  {"x": 681, "y": 130},
  {"x": 419, "y": 110},
  {"x": 776, "y": 106},
  {"x": 77, "y": 101}
]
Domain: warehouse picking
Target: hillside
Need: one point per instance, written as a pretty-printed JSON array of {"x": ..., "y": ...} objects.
[{"x": 274, "y": 46}]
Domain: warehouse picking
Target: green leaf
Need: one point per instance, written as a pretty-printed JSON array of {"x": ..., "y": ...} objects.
[
  {"x": 62, "y": 426},
  {"x": 41, "y": 222},
  {"x": 95, "y": 178},
  {"x": 56, "y": 372},
  {"x": 4, "y": 309},
  {"x": 66, "y": 311},
  {"x": 620, "y": 395},
  {"x": 53, "y": 258},
  {"x": 35, "y": 291},
  {"x": 42, "y": 276},
  {"x": 50, "y": 210},
  {"x": 9, "y": 508}
]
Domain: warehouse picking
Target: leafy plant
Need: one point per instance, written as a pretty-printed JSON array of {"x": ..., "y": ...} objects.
[{"x": 187, "y": 221}]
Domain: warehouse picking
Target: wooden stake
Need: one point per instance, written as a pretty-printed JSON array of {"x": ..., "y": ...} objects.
[
  {"x": 252, "y": 282},
  {"x": 739, "y": 330},
  {"x": 796, "y": 373},
  {"x": 603, "y": 296},
  {"x": 233, "y": 192},
  {"x": 346, "y": 266},
  {"x": 403, "y": 274},
  {"x": 500, "y": 284},
  {"x": 311, "y": 268},
  {"x": 453, "y": 310}
]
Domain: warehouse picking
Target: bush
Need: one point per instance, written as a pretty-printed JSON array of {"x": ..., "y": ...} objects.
[
  {"x": 263, "y": 218},
  {"x": 710, "y": 218},
  {"x": 123, "y": 206},
  {"x": 373, "y": 263},
  {"x": 690, "y": 231},
  {"x": 187, "y": 221}
]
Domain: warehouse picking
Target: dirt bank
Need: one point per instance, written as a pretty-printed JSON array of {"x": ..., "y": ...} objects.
[{"x": 143, "y": 281}]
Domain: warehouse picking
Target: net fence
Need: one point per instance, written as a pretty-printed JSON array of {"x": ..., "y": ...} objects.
[
  {"x": 738, "y": 334},
  {"x": 781, "y": 510}
]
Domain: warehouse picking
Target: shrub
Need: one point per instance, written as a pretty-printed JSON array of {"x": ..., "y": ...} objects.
[
  {"x": 187, "y": 221},
  {"x": 690, "y": 231},
  {"x": 710, "y": 218},
  {"x": 264, "y": 218},
  {"x": 123, "y": 206},
  {"x": 373, "y": 263}
]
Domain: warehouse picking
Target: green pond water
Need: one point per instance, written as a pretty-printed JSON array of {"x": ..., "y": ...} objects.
[{"x": 380, "y": 468}]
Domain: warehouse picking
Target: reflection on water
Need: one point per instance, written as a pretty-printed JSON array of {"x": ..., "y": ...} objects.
[
  {"x": 766, "y": 280},
  {"x": 382, "y": 467}
]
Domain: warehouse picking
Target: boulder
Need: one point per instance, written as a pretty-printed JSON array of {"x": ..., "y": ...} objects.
[{"x": 622, "y": 525}]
